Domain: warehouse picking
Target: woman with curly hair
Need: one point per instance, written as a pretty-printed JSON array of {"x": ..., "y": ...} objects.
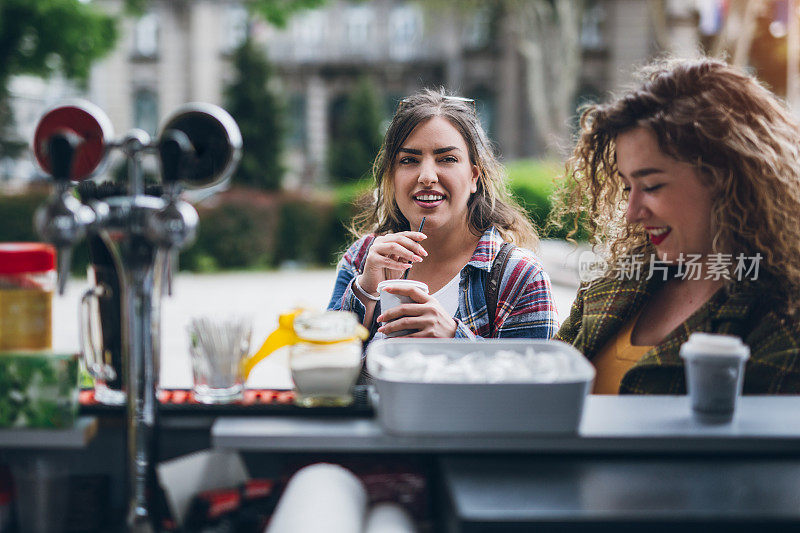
[
  {"x": 436, "y": 163},
  {"x": 691, "y": 185}
]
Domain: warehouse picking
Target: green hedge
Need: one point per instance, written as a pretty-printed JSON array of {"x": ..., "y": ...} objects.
[
  {"x": 251, "y": 229},
  {"x": 533, "y": 183}
]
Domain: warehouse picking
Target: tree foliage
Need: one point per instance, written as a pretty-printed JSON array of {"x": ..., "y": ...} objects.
[
  {"x": 41, "y": 37},
  {"x": 277, "y": 12},
  {"x": 261, "y": 118},
  {"x": 356, "y": 145}
]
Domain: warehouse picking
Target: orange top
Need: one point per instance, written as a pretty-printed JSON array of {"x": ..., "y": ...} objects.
[{"x": 616, "y": 358}]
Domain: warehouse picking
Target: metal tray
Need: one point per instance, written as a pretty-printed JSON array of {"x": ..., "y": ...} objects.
[{"x": 429, "y": 408}]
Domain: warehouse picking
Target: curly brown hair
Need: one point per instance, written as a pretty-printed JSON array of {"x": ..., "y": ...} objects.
[
  {"x": 491, "y": 205},
  {"x": 739, "y": 135}
]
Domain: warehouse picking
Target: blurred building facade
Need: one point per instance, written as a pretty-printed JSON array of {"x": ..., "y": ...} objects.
[
  {"x": 176, "y": 52},
  {"x": 406, "y": 45},
  {"x": 180, "y": 50}
]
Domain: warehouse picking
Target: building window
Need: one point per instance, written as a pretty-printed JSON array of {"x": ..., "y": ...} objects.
[
  {"x": 486, "y": 107},
  {"x": 359, "y": 21},
  {"x": 308, "y": 35},
  {"x": 145, "y": 110},
  {"x": 297, "y": 121},
  {"x": 236, "y": 26},
  {"x": 592, "y": 28},
  {"x": 477, "y": 31},
  {"x": 405, "y": 31},
  {"x": 391, "y": 101},
  {"x": 145, "y": 36},
  {"x": 337, "y": 114}
]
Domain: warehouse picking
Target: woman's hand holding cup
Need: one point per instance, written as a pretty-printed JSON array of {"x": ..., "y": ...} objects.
[
  {"x": 413, "y": 312},
  {"x": 389, "y": 256}
]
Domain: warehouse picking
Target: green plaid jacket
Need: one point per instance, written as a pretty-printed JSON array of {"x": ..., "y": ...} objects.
[{"x": 603, "y": 306}]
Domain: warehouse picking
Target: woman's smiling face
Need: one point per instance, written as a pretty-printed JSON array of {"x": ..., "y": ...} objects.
[
  {"x": 666, "y": 197},
  {"x": 433, "y": 176}
]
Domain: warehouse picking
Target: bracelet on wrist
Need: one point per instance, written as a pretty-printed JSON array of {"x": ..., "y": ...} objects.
[{"x": 372, "y": 297}]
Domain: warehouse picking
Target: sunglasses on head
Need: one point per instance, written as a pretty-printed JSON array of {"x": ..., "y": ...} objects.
[{"x": 402, "y": 103}]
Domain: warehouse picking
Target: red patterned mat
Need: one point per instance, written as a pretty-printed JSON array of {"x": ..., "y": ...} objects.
[
  {"x": 254, "y": 400},
  {"x": 185, "y": 396}
]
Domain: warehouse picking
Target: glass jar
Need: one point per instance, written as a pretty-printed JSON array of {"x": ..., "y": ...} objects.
[
  {"x": 27, "y": 282},
  {"x": 325, "y": 360}
]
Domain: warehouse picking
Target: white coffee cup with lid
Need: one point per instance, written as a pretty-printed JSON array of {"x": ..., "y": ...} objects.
[
  {"x": 714, "y": 374},
  {"x": 389, "y": 300}
]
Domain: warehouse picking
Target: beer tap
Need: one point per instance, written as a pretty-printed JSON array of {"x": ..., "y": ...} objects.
[
  {"x": 63, "y": 220},
  {"x": 200, "y": 147},
  {"x": 175, "y": 226}
]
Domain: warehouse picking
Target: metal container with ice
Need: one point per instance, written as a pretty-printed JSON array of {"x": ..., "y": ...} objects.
[{"x": 435, "y": 386}]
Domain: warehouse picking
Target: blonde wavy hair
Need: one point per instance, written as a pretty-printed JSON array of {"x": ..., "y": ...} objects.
[
  {"x": 491, "y": 205},
  {"x": 722, "y": 121}
]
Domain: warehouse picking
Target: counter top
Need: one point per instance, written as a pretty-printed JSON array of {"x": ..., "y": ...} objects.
[
  {"x": 590, "y": 493},
  {"x": 78, "y": 436},
  {"x": 614, "y": 424}
]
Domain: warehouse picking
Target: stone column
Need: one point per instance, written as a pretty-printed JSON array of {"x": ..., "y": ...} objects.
[
  {"x": 316, "y": 128},
  {"x": 206, "y": 25},
  {"x": 631, "y": 40},
  {"x": 510, "y": 107},
  {"x": 174, "y": 20}
]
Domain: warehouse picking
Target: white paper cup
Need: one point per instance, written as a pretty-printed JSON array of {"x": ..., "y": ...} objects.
[
  {"x": 389, "y": 300},
  {"x": 714, "y": 374}
]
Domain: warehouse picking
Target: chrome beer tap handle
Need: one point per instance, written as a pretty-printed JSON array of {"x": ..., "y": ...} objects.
[
  {"x": 175, "y": 226},
  {"x": 69, "y": 144},
  {"x": 171, "y": 229},
  {"x": 63, "y": 220}
]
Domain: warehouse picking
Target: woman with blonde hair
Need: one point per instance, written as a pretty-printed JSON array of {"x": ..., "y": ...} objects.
[
  {"x": 691, "y": 185},
  {"x": 437, "y": 164}
]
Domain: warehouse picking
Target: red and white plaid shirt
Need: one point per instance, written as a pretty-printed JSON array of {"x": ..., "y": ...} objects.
[{"x": 525, "y": 306}]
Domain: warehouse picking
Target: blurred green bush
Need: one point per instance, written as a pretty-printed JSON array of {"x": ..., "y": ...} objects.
[
  {"x": 251, "y": 229},
  {"x": 533, "y": 183},
  {"x": 245, "y": 228}
]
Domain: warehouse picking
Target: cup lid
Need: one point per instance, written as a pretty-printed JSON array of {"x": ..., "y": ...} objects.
[
  {"x": 714, "y": 345},
  {"x": 407, "y": 282}
]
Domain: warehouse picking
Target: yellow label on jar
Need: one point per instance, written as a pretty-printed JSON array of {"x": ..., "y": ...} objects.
[{"x": 26, "y": 319}]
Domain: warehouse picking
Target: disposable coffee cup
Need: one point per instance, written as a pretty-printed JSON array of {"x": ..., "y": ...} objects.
[
  {"x": 714, "y": 374},
  {"x": 389, "y": 300}
]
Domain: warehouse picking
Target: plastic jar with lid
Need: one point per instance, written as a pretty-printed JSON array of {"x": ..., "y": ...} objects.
[
  {"x": 325, "y": 360},
  {"x": 27, "y": 282}
]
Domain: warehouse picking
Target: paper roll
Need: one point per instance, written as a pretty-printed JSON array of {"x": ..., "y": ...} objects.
[
  {"x": 321, "y": 498},
  {"x": 389, "y": 518}
]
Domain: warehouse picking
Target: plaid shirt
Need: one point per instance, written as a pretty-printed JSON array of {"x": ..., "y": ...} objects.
[
  {"x": 525, "y": 306},
  {"x": 748, "y": 311}
]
